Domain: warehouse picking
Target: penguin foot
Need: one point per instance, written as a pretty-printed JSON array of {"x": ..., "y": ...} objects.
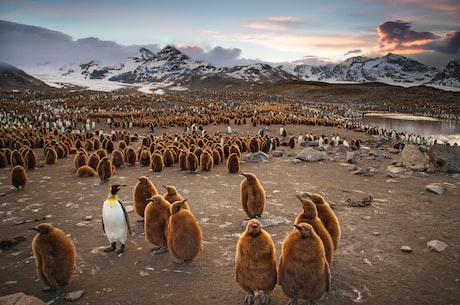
[
  {"x": 160, "y": 250},
  {"x": 121, "y": 250},
  {"x": 249, "y": 299},
  {"x": 265, "y": 299},
  {"x": 179, "y": 261},
  {"x": 111, "y": 248}
]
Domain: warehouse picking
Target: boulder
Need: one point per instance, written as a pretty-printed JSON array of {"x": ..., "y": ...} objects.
[
  {"x": 445, "y": 158},
  {"x": 310, "y": 154},
  {"x": 437, "y": 188},
  {"x": 257, "y": 157},
  {"x": 20, "y": 298},
  {"x": 412, "y": 157}
]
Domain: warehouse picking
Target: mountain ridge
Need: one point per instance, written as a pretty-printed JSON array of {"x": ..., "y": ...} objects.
[{"x": 172, "y": 69}]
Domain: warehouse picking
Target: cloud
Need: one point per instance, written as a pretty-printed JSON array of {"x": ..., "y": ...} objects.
[
  {"x": 23, "y": 45},
  {"x": 218, "y": 56},
  {"x": 351, "y": 52},
  {"x": 397, "y": 33},
  {"x": 277, "y": 23},
  {"x": 449, "y": 44},
  {"x": 397, "y": 36}
]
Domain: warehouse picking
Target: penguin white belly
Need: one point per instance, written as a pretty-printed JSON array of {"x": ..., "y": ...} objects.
[{"x": 114, "y": 222}]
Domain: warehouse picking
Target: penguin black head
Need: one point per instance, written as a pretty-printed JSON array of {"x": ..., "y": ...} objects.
[{"x": 115, "y": 188}]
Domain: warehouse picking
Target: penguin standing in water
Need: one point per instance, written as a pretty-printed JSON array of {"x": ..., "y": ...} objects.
[{"x": 115, "y": 221}]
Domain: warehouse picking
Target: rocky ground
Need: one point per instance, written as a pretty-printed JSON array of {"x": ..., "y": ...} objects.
[{"x": 381, "y": 209}]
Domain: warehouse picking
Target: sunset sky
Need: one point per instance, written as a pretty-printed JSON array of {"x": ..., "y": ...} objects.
[{"x": 229, "y": 32}]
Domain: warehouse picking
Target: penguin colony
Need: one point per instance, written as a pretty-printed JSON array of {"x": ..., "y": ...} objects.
[{"x": 173, "y": 228}]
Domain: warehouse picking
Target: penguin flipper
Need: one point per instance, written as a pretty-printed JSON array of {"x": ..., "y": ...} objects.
[
  {"x": 126, "y": 215},
  {"x": 103, "y": 226}
]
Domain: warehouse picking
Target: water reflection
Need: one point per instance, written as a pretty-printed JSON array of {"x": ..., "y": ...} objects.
[{"x": 422, "y": 126}]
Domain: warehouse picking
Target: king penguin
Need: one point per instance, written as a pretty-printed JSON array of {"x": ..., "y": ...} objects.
[{"x": 115, "y": 221}]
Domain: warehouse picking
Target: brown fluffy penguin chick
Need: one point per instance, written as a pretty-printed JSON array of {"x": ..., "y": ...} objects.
[
  {"x": 233, "y": 163},
  {"x": 206, "y": 161},
  {"x": 309, "y": 215},
  {"x": 17, "y": 159},
  {"x": 184, "y": 234},
  {"x": 156, "y": 220},
  {"x": 104, "y": 169},
  {"x": 93, "y": 160},
  {"x": 156, "y": 162},
  {"x": 51, "y": 156},
  {"x": 191, "y": 162},
  {"x": 255, "y": 262},
  {"x": 252, "y": 196},
  {"x": 85, "y": 171},
  {"x": 143, "y": 190},
  {"x": 303, "y": 271},
  {"x": 18, "y": 177},
  {"x": 31, "y": 159},
  {"x": 172, "y": 195},
  {"x": 328, "y": 217},
  {"x": 79, "y": 159},
  {"x": 118, "y": 158},
  {"x": 55, "y": 256}
]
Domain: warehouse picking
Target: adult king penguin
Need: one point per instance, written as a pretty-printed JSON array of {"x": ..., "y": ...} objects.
[{"x": 115, "y": 221}]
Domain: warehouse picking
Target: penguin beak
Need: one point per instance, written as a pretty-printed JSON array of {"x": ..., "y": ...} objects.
[
  {"x": 149, "y": 200},
  {"x": 35, "y": 229},
  {"x": 165, "y": 186},
  {"x": 297, "y": 227},
  {"x": 243, "y": 174},
  {"x": 307, "y": 195}
]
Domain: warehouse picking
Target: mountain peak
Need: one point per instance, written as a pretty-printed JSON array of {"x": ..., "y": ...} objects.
[{"x": 171, "y": 53}]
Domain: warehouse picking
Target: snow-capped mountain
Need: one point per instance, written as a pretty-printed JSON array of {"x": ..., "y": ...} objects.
[
  {"x": 167, "y": 68},
  {"x": 390, "y": 69},
  {"x": 170, "y": 68},
  {"x": 449, "y": 77}
]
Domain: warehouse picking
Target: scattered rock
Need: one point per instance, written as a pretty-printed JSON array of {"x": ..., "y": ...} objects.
[
  {"x": 277, "y": 153},
  {"x": 436, "y": 245},
  {"x": 406, "y": 249},
  {"x": 376, "y": 233},
  {"x": 350, "y": 157},
  {"x": 129, "y": 208},
  {"x": 352, "y": 167},
  {"x": 437, "y": 188},
  {"x": 365, "y": 171},
  {"x": 9, "y": 242},
  {"x": 398, "y": 172},
  {"x": 360, "y": 203},
  {"x": 411, "y": 157},
  {"x": 310, "y": 155},
  {"x": 392, "y": 180},
  {"x": 445, "y": 158},
  {"x": 20, "y": 298},
  {"x": 257, "y": 157},
  {"x": 74, "y": 295}
]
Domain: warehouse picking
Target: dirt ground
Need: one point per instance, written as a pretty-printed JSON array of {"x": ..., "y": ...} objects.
[{"x": 369, "y": 266}]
